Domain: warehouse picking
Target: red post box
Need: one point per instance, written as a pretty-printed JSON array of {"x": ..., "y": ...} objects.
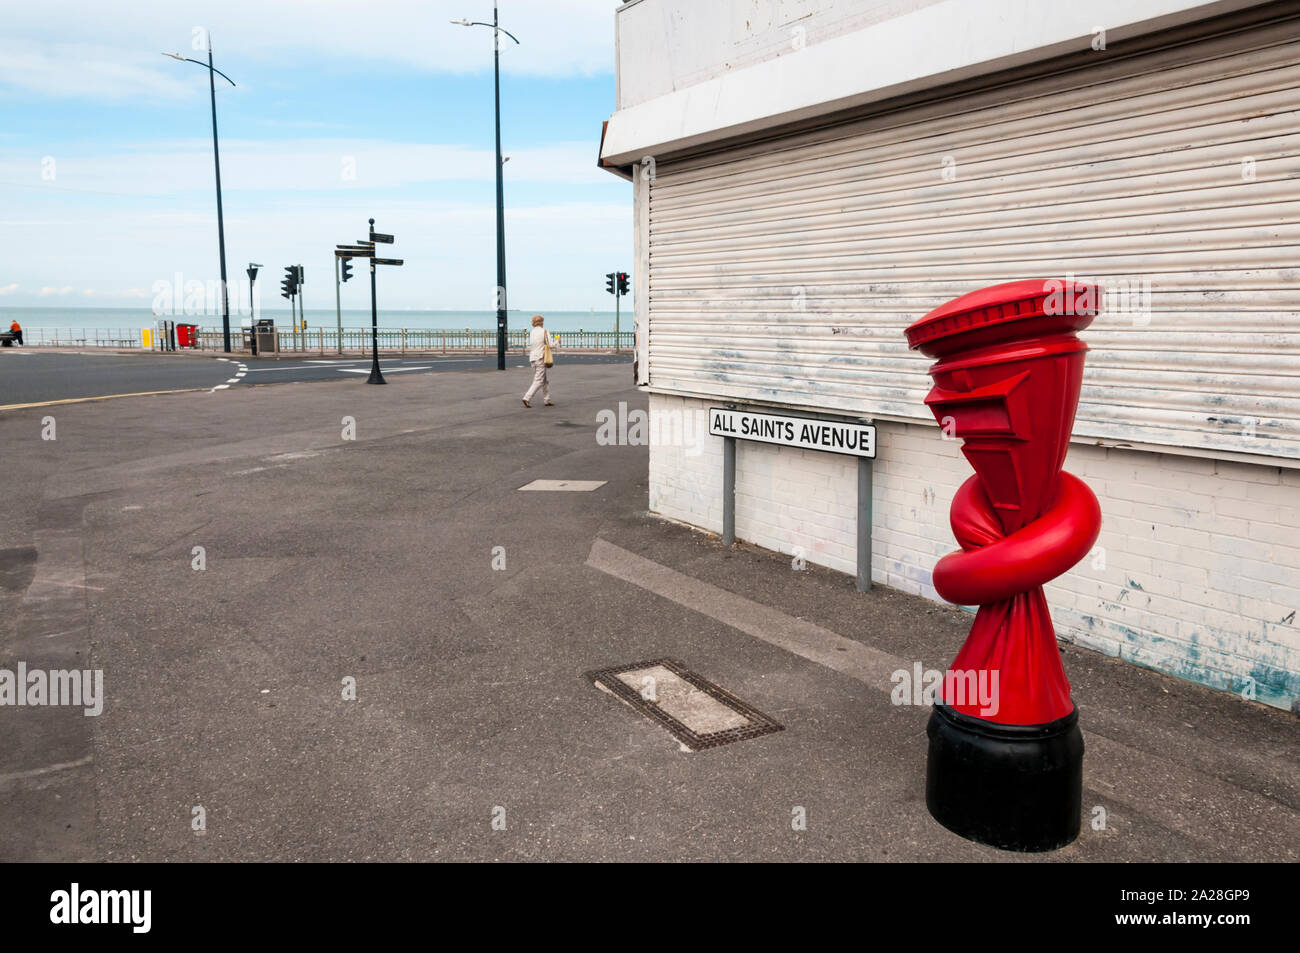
[
  {"x": 1006, "y": 383},
  {"x": 187, "y": 335}
]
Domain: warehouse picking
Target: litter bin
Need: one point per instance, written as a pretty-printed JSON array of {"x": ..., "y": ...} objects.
[
  {"x": 187, "y": 335},
  {"x": 268, "y": 341}
]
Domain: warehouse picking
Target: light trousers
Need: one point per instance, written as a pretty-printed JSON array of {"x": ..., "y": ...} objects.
[{"x": 540, "y": 382}]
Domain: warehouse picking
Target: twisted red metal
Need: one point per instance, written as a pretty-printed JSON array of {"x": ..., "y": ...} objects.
[{"x": 1007, "y": 384}]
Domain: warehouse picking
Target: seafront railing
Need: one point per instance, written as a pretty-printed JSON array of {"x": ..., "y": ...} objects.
[
  {"x": 323, "y": 340},
  {"x": 81, "y": 337}
]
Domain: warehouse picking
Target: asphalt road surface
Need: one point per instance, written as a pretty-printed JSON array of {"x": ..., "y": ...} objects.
[
  {"x": 29, "y": 376},
  {"x": 402, "y": 557}
]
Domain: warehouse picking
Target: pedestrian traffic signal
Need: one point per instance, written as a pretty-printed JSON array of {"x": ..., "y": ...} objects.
[
  {"x": 347, "y": 268},
  {"x": 609, "y": 282},
  {"x": 622, "y": 282}
]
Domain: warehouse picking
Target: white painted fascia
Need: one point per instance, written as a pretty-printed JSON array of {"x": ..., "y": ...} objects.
[{"x": 937, "y": 44}]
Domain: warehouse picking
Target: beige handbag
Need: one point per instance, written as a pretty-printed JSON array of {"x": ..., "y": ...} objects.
[{"x": 548, "y": 359}]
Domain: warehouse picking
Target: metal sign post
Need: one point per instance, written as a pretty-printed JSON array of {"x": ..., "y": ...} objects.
[
  {"x": 849, "y": 437},
  {"x": 366, "y": 249}
]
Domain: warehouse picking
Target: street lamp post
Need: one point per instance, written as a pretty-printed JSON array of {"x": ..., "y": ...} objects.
[
  {"x": 213, "y": 72},
  {"x": 497, "y": 30}
]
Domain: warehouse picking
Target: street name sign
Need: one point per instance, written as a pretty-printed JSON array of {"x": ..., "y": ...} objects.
[{"x": 806, "y": 433}]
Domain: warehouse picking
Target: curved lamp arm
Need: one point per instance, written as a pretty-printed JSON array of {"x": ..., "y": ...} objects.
[
  {"x": 186, "y": 59},
  {"x": 478, "y": 23}
]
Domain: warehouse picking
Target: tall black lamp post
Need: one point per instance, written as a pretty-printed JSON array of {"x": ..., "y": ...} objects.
[
  {"x": 213, "y": 72},
  {"x": 497, "y": 29}
]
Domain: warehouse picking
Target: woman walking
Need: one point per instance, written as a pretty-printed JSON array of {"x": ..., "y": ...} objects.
[{"x": 540, "y": 344}]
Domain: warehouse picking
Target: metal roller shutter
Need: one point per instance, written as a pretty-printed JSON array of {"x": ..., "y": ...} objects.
[{"x": 785, "y": 270}]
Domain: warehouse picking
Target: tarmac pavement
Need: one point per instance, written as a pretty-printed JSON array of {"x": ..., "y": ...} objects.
[
  {"x": 34, "y": 375},
  {"x": 372, "y": 559}
]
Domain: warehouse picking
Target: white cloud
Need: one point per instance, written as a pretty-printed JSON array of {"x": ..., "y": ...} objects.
[
  {"x": 109, "y": 51},
  {"x": 123, "y": 293},
  {"x": 296, "y": 165},
  {"x": 556, "y": 253},
  {"x": 63, "y": 70},
  {"x": 102, "y": 52},
  {"x": 9, "y": 288}
]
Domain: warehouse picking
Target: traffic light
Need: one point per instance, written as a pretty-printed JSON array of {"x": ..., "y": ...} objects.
[
  {"x": 609, "y": 282},
  {"x": 289, "y": 284},
  {"x": 347, "y": 268},
  {"x": 622, "y": 282}
]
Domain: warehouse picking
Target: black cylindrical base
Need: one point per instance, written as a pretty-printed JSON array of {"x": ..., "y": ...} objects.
[{"x": 1017, "y": 787}]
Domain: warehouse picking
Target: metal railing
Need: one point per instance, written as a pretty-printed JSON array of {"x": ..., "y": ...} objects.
[
  {"x": 81, "y": 337},
  {"x": 326, "y": 340},
  {"x": 442, "y": 340}
]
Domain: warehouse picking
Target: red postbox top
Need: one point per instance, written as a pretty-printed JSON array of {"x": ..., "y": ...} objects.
[{"x": 1011, "y": 311}]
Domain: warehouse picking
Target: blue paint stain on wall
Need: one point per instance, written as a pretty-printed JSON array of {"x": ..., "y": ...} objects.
[{"x": 1190, "y": 660}]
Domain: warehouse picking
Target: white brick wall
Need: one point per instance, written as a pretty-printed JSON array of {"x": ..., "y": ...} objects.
[{"x": 1197, "y": 575}]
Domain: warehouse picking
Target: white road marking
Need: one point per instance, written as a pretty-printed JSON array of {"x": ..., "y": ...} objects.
[
  {"x": 391, "y": 370},
  {"x": 240, "y": 370},
  {"x": 70, "y": 585},
  {"x": 296, "y": 455},
  {"x": 49, "y": 769}
]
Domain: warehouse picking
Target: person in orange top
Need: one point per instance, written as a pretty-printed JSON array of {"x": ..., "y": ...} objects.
[{"x": 17, "y": 329}]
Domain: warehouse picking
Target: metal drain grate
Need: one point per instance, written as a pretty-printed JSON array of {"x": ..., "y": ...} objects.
[{"x": 715, "y": 717}]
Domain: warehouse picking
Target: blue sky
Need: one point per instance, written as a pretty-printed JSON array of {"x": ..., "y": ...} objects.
[{"x": 342, "y": 111}]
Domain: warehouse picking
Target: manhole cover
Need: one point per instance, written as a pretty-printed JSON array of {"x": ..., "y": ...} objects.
[{"x": 695, "y": 711}]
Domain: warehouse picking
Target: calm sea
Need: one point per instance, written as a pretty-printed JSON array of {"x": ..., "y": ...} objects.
[{"x": 132, "y": 319}]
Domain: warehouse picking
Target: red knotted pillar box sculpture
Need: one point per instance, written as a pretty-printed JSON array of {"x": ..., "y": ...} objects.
[{"x": 1006, "y": 383}]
